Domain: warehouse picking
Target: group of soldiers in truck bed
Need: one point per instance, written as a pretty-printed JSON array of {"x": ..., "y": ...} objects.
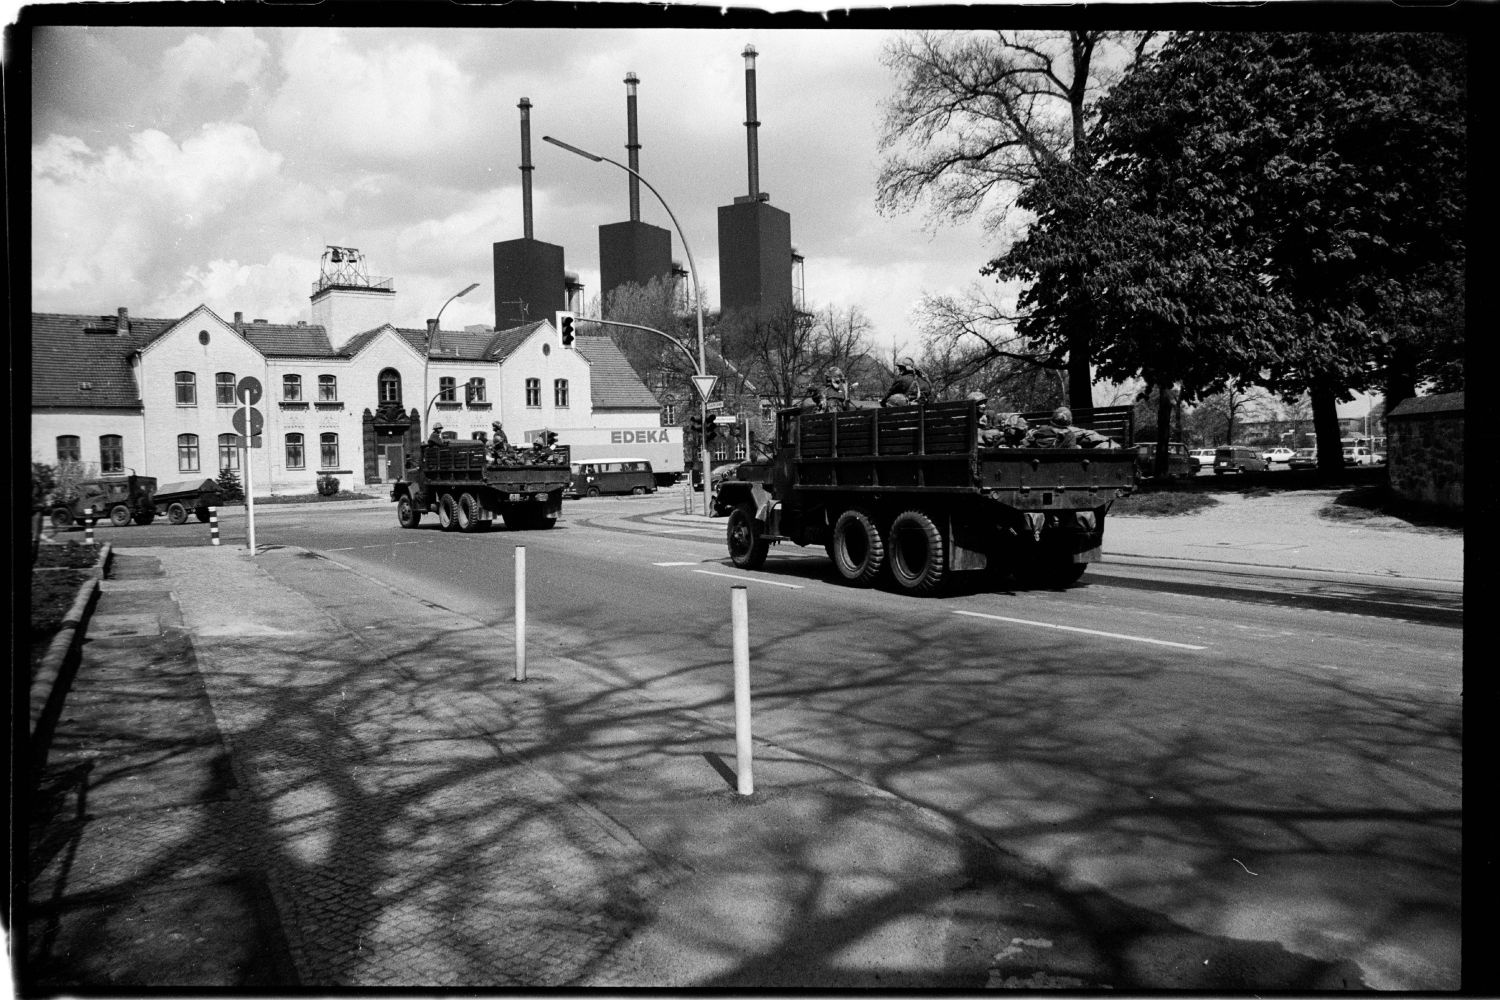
[
  {"x": 503, "y": 454},
  {"x": 996, "y": 429}
]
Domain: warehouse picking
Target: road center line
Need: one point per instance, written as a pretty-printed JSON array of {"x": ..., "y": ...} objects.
[
  {"x": 1086, "y": 631},
  {"x": 750, "y": 579},
  {"x": 693, "y": 563}
]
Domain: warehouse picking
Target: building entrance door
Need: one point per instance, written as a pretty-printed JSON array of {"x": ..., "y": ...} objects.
[{"x": 395, "y": 462}]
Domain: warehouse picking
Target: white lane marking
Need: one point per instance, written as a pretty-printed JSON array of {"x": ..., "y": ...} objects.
[
  {"x": 686, "y": 531},
  {"x": 693, "y": 563},
  {"x": 1086, "y": 631},
  {"x": 383, "y": 545},
  {"x": 750, "y": 579}
]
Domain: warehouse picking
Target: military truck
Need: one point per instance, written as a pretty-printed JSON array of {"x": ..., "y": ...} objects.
[
  {"x": 175, "y": 501},
  {"x": 910, "y": 495},
  {"x": 468, "y": 488},
  {"x": 120, "y": 498}
]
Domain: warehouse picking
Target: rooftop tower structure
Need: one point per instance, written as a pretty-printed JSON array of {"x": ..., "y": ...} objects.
[
  {"x": 755, "y": 239},
  {"x": 345, "y": 299},
  {"x": 632, "y": 252},
  {"x": 530, "y": 281}
]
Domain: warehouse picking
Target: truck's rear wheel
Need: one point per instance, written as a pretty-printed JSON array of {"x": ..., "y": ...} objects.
[
  {"x": 62, "y": 517},
  {"x": 858, "y": 549},
  {"x": 407, "y": 514},
  {"x": 202, "y": 513},
  {"x": 747, "y": 547},
  {"x": 176, "y": 513},
  {"x": 448, "y": 512},
  {"x": 119, "y": 515},
  {"x": 917, "y": 555},
  {"x": 470, "y": 514}
]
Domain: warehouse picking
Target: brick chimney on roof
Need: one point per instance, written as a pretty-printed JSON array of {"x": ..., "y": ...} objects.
[
  {"x": 122, "y": 322},
  {"x": 239, "y": 318}
]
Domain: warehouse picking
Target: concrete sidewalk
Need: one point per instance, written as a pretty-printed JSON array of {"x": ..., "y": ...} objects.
[{"x": 258, "y": 782}]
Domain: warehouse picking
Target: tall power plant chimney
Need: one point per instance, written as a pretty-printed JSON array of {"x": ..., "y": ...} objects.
[
  {"x": 755, "y": 240},
  {"x": 632, "y": 252},
  {"x": 530, "y": 281}
]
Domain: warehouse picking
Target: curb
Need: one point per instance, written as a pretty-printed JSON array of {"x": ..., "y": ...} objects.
[{"x": 54, "y": 676}]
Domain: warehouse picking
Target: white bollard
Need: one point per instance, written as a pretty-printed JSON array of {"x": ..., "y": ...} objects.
[
  {"x": 520, "y": 612},
  {"x": 213, "y": 524},
  {"x": 88, "y": 526},
  {"x": 741, "y": 620}
]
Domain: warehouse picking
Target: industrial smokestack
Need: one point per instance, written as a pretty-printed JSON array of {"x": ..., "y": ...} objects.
[
  {"x": 525, "y": 107},
  {"x": 751, "y": 124},
  {"x": 633, "y": 145}
]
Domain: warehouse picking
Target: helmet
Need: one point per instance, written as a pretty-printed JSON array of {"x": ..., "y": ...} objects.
[
  {"x": 834, "y": 377},
  {"x": 437, "y": 427},
  {"x": 1062, "y": 416},
  {"x": 907, "y": 363},
  {"x": 978, "y": 397}
]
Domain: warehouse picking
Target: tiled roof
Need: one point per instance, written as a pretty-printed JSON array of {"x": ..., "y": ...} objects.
[
  {"x": 285, "y": 340},
  {"x": 503, "y": 343},
  {"x": 65, "y": 357},
  {"x": 1447, "y": 402},
  {"x": 614, "y": 382}
]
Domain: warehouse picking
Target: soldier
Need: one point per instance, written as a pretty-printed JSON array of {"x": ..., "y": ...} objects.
[
  {"x": 835, "y": 391},
  {"x": 906, "y": 387},
  {"x": 814, "y": 402},
  {"x": 499, "y": 443},
  {"x": 1055, "y": 433},
  {"x": 436, "y": 437}
]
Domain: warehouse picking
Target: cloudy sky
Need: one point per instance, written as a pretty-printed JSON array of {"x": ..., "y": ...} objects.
[{"x": 173, "y": 166}]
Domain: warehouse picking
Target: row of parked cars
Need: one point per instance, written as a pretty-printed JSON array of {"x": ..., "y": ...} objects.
[{"x": 1183, "y": 462}]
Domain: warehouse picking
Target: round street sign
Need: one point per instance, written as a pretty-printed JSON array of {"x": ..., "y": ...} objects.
[
  {"x": 257, "y": 421},
  {"x": 248, "y": 385}
]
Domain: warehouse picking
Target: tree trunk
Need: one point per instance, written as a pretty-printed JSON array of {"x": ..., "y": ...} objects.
[
  {"x": 1326, "y": 427},
  {"x": 1163, "y": 430},
  {"x": 1080, "y": 374}
]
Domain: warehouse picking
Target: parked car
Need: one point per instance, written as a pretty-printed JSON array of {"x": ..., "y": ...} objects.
[
  {"x": 1359, "y": 456},
  {"x": 1278, "y": 455},
  {"x": 1203, "y": 456},
  {"x": 1180, "y": 464},
  {"x": 1304, "y": 458},
  {"x": 1236, "y": 458}
]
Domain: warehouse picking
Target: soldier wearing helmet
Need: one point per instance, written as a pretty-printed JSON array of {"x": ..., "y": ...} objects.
[
  {"x": 906, "y": 387},
  {"x": 436, "y": 437},
  {"x": 835, "y": 391}
]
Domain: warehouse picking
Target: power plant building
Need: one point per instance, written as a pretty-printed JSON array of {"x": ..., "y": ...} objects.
[
  {"x": 531, "y": 282},
  {"x": 632, "y": 252}
]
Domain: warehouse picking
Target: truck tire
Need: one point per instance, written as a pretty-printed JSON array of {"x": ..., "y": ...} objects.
[
  {"x": 176, "y": 513},
  {"x": 858, "y": 549},
  {"x": 61, "y": 517},
  {"x": 407, "y": 514},
  {"x": 636, "y": 491},
  {"x": 202, "y": 513},
  {"x": 747, "y": 547},
  {"x": 448, "y": 512},
  {"x": 145, "y": 517},
  {"x": 470, "y": 513},
  {"x": 119, "y": 515},
  {"x": 917, "y": 555},
  {"x": 593, "y": 491}
]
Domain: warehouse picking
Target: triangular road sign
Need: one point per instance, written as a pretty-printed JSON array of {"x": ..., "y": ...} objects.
[{"x": 705, "y": 384}]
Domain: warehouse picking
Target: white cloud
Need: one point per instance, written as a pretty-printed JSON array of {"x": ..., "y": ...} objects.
[{"x": 207, "y": 66}]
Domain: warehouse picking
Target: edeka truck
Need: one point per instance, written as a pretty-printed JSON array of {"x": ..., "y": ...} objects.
[
  {"x": 469, "y": 489},
  {"x": 661, "y": 446},
  {"x": 910, "y": 495}
]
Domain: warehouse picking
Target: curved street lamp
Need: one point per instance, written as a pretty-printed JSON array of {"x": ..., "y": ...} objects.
[
  {"x": 703, "y": 456},
  {"x": 437, "y": 322}
]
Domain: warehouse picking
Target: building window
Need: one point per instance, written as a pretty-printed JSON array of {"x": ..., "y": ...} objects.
[
  {"x": 670, "y": 413},
  {"x": 328, "y": 446},
  {"x": 187, "y": 389},
  {"x": 479, "y": 436},
  {"x": 69, "y": 449},
  {"x": 187, "y": 453},
  {"x": 229, "y": 451},
  {"x": 111, "y": 453},
  {"x": 533, "y": 392},
  {"x": 475, "y": 391},
  {"x": 224, "y": 389},
  {"x": 291, "y": 388},
  {"x": 447, "y": 389},
  {"x": 390, "y": 386},
  {"x": 328, "y": 388},
  {"x": 294, "y": 456},
  {"x": 560, "y": 392}
]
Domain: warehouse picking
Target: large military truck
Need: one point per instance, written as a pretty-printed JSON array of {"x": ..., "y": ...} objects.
[
  {"x": 468, "y": 489},
  {"x": 911, "y": 494},
  {"x": 120, "y": 498}
]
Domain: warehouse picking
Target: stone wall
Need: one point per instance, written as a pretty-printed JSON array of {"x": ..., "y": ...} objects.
[{"x": 1425, "y": 442}]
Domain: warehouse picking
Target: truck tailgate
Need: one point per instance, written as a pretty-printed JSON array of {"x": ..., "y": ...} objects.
[{"x": 1052, "y": 478}]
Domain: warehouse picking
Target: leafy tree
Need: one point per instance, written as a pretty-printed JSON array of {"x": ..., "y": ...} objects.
[
  {"x": 978, "y": 116},
  {"x": 785, "y": 353}
]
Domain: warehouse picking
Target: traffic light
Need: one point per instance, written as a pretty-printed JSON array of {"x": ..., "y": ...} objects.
[
  {"x": 550, "y": 438},
  {"x": 565, "y": 326},
  {"x": 711, "y": 430}
]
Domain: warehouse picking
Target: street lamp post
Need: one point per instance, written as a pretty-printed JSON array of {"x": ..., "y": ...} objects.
[
  {"x": 437, "y": 321},
  {"x": 436, "y": 326},
  {"x": 703, "y": 457}
]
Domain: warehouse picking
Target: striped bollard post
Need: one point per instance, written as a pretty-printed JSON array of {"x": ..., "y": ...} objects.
[
  {"x": 88, "y": 526},
  {"x": 213, "y": 524}
]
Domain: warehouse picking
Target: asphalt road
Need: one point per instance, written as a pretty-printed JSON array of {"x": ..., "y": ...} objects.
[{"x": 1209, "y": 750}]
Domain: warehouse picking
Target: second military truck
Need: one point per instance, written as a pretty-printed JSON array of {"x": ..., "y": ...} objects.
[
  {"x": 468, "y": 488},
  {"x": 912, "y": 494}
]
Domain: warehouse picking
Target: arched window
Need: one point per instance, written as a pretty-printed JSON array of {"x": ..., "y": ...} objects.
[
  {"x": 224, "y": 389},
  {"x": 229, "y": 451},
  {"x": 294, "y": 457},
  {"x": 111, "y": 453},
  {"x": 475, "y": 391},
  {"x": 187, "y": 389},
  {"x": 533, "y": 392},
  {"x": 328, "y": 389},
  {"x": 328, "y": 445},
  {"x": 187, "y": 453},
  {"x": 291, "y": 388},
  {"x": 69, "y": 449},
  {"x": 390, "y": 386},
  {"x": 560, "y": 392}
]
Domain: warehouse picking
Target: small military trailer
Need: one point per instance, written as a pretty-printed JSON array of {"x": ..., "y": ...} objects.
[
  {"x": 122, "y": 499},
  {"x": 175, "y": 501},
  {"x": 911, "y": 494},
  {"x": 468, "y": 489}
]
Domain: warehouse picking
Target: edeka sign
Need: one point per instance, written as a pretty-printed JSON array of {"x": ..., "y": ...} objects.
[{"x": 639, "y": 437}]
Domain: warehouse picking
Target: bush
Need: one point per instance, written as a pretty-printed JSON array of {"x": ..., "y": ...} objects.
[
  {"x": 230, "y": 490},
  {"x": 328, "y": 486}
]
